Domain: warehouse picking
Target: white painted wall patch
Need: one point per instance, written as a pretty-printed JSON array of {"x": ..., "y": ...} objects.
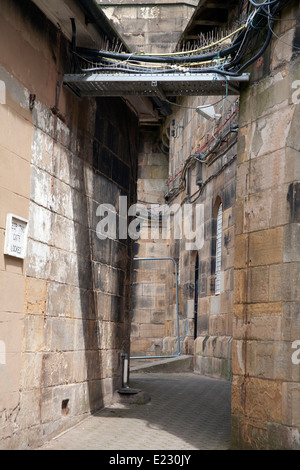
[{"x": 2, "y": 353}]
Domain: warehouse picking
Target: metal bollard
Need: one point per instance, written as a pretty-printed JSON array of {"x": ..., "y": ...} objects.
[
  {"x": 125, "y": 370},
  {"x": 126, "y": 390}
]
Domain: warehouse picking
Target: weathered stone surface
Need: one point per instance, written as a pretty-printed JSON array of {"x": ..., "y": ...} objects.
[
  {"x": 150, "y": 27},
  {"x": 55, "y": 310},
  {"x": 266, "y": 247},
  {"x": 69, "y": 303},
  {"x": 266, "y": 263}
]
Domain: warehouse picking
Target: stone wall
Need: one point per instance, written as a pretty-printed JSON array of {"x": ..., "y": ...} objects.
[
  {"x": 265, "y": 391},
  {"x": 151, "y": 278},
  {"x": 150, "y": 27},
  {"x": 154, "y": 327},
  {"x": 206, "y": 314},
  {"x": 207, "y": 333},
  {"x": 15, "y": 148},
  {"x": 248, "y": 332},
  {"x": 65, "y": 309}
]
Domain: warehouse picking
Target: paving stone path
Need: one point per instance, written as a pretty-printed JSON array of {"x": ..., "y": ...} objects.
[{"x": 186, "y": 412}]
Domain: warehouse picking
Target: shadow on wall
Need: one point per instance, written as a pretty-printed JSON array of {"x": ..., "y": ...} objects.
[{"x": 104, "y": 266}]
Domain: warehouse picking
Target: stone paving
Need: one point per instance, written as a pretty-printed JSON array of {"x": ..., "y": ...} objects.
[{"x": 186, "y": 412}]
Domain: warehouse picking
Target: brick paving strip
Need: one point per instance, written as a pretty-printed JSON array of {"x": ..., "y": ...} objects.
[{"x": 186, "y": 412}]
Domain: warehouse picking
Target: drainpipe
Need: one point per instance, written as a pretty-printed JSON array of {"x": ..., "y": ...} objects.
[{"x": 177, "y": 308}]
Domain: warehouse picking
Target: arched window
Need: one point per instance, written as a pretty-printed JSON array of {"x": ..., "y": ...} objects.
[{"x": 219, "y": 249}]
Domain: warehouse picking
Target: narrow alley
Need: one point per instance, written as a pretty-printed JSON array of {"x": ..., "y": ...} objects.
[{"x": 149, "y": 211}]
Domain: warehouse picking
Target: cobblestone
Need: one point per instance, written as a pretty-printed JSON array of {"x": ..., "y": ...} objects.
[{"x": 186, "y": 412}]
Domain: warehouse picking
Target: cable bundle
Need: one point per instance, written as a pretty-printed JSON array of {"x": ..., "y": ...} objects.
[{"x": 228, "y": 61}]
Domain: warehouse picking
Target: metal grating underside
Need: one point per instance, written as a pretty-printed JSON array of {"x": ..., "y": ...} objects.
[{"x": 99, "y": 84}]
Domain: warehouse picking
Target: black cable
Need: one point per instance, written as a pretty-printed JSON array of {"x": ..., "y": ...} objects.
[
  {"x": 259, "y": 22},
  {"x": 94, "y": 54},
  {"x": 259, "y": 53},
  {"x": 202, "y": 158},
  {"x": 129, "y": 63},
  {"x": 269, "y": 34},
  {"x": 215, "y": 175}
]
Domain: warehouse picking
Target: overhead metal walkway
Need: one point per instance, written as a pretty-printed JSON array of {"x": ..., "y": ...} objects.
[{"x": 153, "y": 85}]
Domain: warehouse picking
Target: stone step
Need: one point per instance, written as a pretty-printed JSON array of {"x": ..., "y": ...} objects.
[{"x": 180, "y": 363}]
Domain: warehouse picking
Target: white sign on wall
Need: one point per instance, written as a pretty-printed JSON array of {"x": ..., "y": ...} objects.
[
  {"x": 15, "y": 236},
  {"x": 2, "y": 353}
]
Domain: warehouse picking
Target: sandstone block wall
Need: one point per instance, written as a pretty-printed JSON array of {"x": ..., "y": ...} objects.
[
  {"x": 153, "y": 313},
  {"x": 206, "y": 315},
  {"x": 212, "y": 323},
  {"x": 150, "y": 27},
  {"x": 15, "y": 148},
  {"x": 65, "y": 309},
  {"x": 265, "y": 392}
]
